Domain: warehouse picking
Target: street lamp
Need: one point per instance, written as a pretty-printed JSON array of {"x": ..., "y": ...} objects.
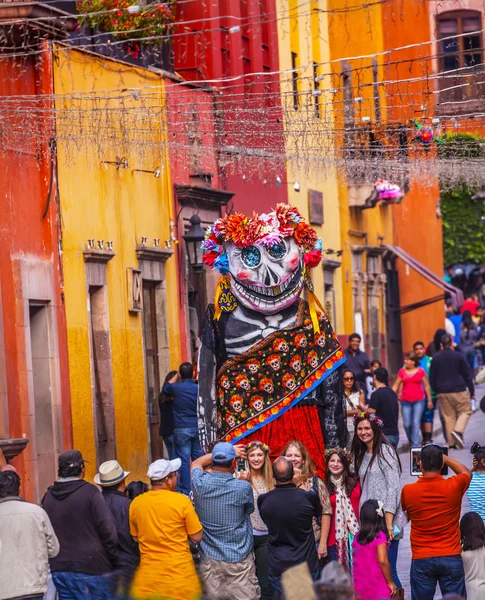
[{"x": 193, "y": 238}]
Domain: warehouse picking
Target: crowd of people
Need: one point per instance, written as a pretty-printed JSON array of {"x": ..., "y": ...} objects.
[{"x": 229, "y": 524}]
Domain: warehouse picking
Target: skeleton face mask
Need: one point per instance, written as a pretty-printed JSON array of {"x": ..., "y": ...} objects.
[{"x": 266, "y": 278}]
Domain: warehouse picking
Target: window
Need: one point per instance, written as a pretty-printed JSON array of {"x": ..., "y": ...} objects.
[
  {"x": 294, "y": 76},
  {"x": 316, "y": 89},
  {"x": 463, "y": 50},
  {"x": 329, "y": 294}
]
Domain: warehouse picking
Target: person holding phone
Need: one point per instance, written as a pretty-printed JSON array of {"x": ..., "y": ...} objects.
[
  {"x": 261, "y": 480},
  {"x": 433, "y": 505}
]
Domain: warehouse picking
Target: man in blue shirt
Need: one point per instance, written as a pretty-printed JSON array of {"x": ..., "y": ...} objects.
[
  {"x": 224, "y": 504},
  {"x": 184, "y": 391}
]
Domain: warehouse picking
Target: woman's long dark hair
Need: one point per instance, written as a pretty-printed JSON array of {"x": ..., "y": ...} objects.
[
  {"x": 162, "y": 398},
  {"x": 359, "y": 449},
  {"x": 472, "y": 531},
  {"x": 371, "y": 523},
  {"x": 349, "y": 481},
  {"x": 355, "y": 387}
]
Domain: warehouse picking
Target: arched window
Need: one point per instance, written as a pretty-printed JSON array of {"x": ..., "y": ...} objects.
[{"x": 464, "y": 50}]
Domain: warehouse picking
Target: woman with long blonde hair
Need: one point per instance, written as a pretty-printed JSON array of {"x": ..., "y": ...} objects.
[
  {"x": 261, "y": 479},
  {"x": 306, "y": 478}
]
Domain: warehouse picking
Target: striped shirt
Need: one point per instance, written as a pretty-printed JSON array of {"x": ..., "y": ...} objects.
[
  {"x": 224, "y": 505},
  {"x": 476, "y": 494}
]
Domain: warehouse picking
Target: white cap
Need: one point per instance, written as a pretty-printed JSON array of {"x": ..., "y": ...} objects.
[{"x": 161, "y": 468}]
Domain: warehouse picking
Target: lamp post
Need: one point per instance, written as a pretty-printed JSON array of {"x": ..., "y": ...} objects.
[{"x": 193, "y": 238}]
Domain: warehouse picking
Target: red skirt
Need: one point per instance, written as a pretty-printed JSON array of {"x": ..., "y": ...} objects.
[{"x": 300, "y": 423}]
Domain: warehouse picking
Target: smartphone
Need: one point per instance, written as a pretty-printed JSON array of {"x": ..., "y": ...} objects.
[
  {"x": 241, "y": 464},
  {"x": 415, "y": 454}
]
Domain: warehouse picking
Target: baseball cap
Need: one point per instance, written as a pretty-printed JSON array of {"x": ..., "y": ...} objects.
[
  {"x": 72, "y": 458},
  {"x": 223, "y": 452},
  {"x": 161, "y": 468}
]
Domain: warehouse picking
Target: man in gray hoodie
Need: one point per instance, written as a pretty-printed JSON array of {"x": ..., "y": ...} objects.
[{"x": 26, "y": 538}]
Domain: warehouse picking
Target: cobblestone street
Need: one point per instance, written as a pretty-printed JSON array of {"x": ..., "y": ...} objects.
[{"x": 474, "y": 432}]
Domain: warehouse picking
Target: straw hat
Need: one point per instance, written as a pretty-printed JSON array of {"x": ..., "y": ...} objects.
[{"x": 110, "y": 473}]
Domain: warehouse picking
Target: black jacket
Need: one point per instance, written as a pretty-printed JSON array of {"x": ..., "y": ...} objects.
[
  {"x": 84, "y": 527},
  {"x": 119, "y": 506},
  {"x": 288, "y": 513},
  {"x": 449, "y": 373}
]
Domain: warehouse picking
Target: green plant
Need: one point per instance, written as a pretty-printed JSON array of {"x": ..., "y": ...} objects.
[
  {"x": 143, "y": 25},
  {"x": 463, "y": 230},
  {"x": 461, "y": 145}
]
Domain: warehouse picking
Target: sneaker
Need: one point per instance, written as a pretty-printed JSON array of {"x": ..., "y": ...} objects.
[{"x": 458, "y": 438}]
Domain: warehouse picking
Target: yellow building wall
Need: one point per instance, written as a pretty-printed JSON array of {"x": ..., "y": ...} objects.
[
  {"x": 353, "y": 34},
  {"x": 101, "y": 202},
  {"x": 305, "y": 34}
]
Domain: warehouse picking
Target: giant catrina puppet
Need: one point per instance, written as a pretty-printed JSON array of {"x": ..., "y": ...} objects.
[{"x": 268, "y": 362}]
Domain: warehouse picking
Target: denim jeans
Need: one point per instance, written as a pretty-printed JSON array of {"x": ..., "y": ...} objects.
[
  {"x": 392, "y": 556},
  {"x": 81, "y": 586},
  {"x": 393, "y": 440},
  {"x": 187, "y": 446},
  {"x": 411, "y": 416},
  {"x": 445, "y": 570},
  {"x": 170, "y": 446},
  {"x": 276, "y": 584}
]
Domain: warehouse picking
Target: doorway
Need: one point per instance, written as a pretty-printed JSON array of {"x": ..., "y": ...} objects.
[
  {"x": 152, "y": 366},
  {"x": 45, "y": 430}
]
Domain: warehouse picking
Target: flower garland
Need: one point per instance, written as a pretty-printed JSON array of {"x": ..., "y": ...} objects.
[
  {"x": 341, "y": 452},
  {"x": 367, "y": 416},
  {"x": 266, "y": 229},
  {"x": 256, "y": 444},
  {"x": 143, "y": 22}
]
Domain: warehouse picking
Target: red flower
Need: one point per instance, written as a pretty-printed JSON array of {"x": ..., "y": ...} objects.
[
  {"x": 209, "y": 258},
  {"x": 312, "y": 258}
]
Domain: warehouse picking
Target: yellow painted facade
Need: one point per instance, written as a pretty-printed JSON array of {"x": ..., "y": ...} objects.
[
  {"x": 102, "y": 202},
  {"x": 303, "y": 43},
  {"x": 351, "y": 34}
]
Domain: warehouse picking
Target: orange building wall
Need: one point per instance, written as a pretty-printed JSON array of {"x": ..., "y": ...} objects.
[{"x": 417, "y": 228}]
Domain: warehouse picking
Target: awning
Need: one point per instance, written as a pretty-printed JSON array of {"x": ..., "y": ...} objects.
[{"x": 455, "y": 293}]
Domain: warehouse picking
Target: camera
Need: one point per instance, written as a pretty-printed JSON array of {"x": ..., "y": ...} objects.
[{"x": 414, "y": 457}]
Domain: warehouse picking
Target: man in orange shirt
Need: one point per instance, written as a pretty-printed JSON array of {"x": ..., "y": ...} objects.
[{"x": 433, "y": 505}]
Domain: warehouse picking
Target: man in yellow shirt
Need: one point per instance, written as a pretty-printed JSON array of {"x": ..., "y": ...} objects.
[{"x": 163, "y": 521}]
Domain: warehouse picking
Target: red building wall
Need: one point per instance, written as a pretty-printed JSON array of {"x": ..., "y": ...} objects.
[
  {"x": 232, "y": 45},
  {"x": 30, "y": 273}
]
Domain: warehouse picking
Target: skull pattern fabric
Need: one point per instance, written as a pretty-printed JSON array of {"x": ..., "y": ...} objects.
[{"x": 281, "y": 380}]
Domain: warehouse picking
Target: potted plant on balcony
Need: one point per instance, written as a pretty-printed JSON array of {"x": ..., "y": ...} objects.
[{"x": 138, "y": 24}]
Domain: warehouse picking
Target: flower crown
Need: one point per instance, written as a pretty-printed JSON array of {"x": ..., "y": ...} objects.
[
  {"x": 257, "y": 444},
  {"x": 362, "y": 416},
  {"x": 267, "y": 229},
  {"x": 341, "y": 452}
]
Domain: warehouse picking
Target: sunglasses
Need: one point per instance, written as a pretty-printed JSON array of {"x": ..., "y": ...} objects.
[{"x": 349, "y": 378}]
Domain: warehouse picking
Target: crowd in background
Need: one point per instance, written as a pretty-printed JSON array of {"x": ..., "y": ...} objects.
[{"x": 232, "y": 523}]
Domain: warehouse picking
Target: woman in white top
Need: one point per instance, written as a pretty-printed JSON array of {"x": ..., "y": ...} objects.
[
  {"x": 473, "y": 542},
  {"x": 354, "y": 401},
  {"x": 261, "y": 479}
]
